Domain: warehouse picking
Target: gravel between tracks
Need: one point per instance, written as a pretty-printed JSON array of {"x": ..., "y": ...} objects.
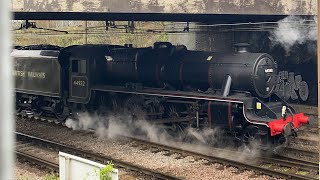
[
  {"x": 304, "y": 146},
  {"x": 187, "y": 167},
  {"x": 306, "y": 136},
  {"x": 24, "y": 171}
]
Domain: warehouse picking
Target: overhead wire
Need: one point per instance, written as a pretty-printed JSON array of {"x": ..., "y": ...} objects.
[{"x": 180, "y": 27}]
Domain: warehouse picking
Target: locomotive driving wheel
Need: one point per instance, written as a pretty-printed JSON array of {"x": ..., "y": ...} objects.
[
  {"x": 135, "y": 106},
  {"x": 60, "y": 116},
  {"x": 109, "y": 102},
  {"x": 172, "y": 112},
  {"x": 177, "y": 130},
  {"x": 37, "y": 112},
  {"x": 58, "y": 113},
  {"x": 115, "y": 103},
  {"x": 250, "y": 138}
]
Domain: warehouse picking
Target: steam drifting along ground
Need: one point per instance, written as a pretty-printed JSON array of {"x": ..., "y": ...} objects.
[{"x": 124, "y": 124}]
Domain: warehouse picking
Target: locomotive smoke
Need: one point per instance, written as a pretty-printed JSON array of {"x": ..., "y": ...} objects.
[
  {"x": 293, "y": 30},
  {"x": 123, "y": 124},
  {"x": 118, "y": 125}
]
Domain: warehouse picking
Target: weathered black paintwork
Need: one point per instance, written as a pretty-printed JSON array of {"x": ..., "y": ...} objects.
[
  {"x": 176, "y": 67},
  {"x": 94, "y": 57},
  {"x": 164, "y": 65},
  {"x": 40, "y": 74},
  {"x": 94, "y": 75}
]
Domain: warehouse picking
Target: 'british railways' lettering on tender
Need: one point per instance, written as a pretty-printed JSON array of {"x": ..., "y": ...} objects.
[{"x": 30, "y": 74}]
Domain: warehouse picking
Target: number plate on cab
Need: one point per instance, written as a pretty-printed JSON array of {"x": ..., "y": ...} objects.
[{"x": 79, "y": 86}]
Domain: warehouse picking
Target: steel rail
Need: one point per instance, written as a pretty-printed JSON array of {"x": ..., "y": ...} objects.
[
  {"x": 42, "y": 162},
  {"x": 93, "y": 156},
  {"x": 306, "y": 141},
  {"x": 295, "y": 162},
  {"x": 254, "y": 166},
  {"x": 302, "y": 151},
  {"x": 279, "y": 160}
]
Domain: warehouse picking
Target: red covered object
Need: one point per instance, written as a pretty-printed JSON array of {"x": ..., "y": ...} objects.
[{"x": 277, "y": 126}]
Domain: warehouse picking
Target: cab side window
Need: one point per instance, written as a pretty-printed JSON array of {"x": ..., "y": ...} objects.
[{"x": 79, "y": 66}]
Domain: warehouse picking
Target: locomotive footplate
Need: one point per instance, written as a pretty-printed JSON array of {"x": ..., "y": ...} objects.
[
  {"x": 236, "y": 97},
  {"x": 171, "y": 120}
]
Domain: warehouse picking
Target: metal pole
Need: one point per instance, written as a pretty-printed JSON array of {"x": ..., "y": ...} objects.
[
  {"x": 318, "y": 9},
  {"x": 6, "y": 96}
]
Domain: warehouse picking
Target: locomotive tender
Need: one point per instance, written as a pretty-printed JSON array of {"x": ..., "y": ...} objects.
[{"x": 172, "y": 85}]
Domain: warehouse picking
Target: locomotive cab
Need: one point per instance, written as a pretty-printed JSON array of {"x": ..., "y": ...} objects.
[
  {"x": 87, "y": 68},
  {"x": 78, "y": 76},
  {"x": 79, "y": 80}
]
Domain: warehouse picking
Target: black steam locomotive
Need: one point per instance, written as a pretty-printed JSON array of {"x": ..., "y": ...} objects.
[{"x": 170, "y": 84}]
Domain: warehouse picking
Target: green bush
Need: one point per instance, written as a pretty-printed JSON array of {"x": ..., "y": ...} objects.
[
  {"x": 52, "y": 176},
  {"x": 104, "y": 173}
]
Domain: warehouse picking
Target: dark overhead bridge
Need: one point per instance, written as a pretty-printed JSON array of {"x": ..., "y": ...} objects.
[{"x": 175, "y": 17}]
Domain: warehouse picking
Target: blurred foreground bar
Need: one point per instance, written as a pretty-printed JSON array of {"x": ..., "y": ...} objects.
[
  {"x": 6, "y": 96},
  {"x": 318, "y": 65}
]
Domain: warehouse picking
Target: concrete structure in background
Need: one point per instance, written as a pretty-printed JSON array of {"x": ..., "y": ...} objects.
[
  {"x": 197, "y": 40},
  {"x": 292, "y": 7}
]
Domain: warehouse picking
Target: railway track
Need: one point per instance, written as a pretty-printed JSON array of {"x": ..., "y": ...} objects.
[
  {"x": 28, "y": 145},
  {"x": 25, "y": 156},
  {"x": 306, "y": 141},
  {"x": 276, "y": 166},
  {"x": 309, "y": 130},
  {"x": 308, "y": 153}
]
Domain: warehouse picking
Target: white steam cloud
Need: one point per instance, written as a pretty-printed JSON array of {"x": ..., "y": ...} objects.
[
  {"x": 114, "y": 125},
  {"x": 294, "y": 30}
]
